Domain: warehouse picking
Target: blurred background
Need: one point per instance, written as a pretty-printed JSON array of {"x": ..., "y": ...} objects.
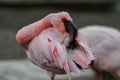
[{"x": 14, "y": 14}]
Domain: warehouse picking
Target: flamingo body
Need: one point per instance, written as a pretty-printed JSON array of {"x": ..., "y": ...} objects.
[
  {"x": 105, "y": 43},
  {"x": 46, "y": 42}
]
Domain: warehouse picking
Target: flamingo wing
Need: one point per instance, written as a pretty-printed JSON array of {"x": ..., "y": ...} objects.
[
  {"x": 44, "y": 50},
  {"x": 53, "y": 50}
]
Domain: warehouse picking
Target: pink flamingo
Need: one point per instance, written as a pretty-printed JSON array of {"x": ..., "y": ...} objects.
[
  {"x": 54, "y": 45},
  {"x": 105, "y": 42}
]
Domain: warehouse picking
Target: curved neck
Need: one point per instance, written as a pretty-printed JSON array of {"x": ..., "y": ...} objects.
[{"x": 27, "y": 33}]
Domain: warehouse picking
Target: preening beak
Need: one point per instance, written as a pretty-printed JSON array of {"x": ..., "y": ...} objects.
[
  {"x": 73, "y": 32},
  {"x": 70, "y": 28}
]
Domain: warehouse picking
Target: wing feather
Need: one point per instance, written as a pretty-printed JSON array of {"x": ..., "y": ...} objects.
[{"x": 51, "y": 47}]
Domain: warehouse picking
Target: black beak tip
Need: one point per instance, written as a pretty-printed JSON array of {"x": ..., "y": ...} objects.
[
  {"x": 73, "y": 32},
  {"x": 70, "y": 28}
]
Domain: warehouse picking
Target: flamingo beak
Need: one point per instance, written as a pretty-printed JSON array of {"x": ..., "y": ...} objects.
[
  {"x": 70, "y": 28},
  {"x": 73, "y": 32}
]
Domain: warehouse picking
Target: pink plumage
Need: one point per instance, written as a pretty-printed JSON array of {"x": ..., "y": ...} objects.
[
  {"x": 105, "y": 43},
  {"x": 46, "y": 42}
]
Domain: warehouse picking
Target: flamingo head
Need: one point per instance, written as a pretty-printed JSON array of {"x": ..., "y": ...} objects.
[
  {"x": 62, "y": 22},
  {"x": 58, "y": 21}
]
